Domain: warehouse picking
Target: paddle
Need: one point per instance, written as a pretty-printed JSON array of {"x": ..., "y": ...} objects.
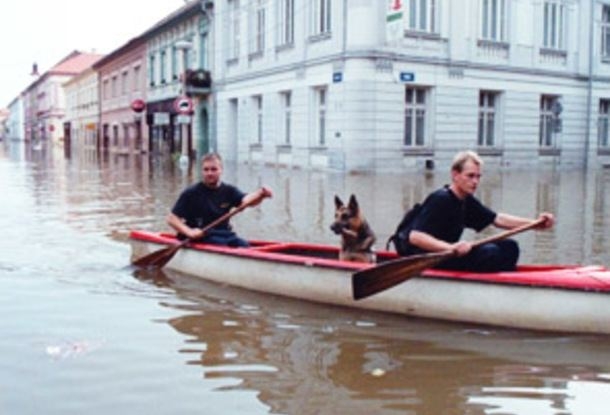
[
  {"x": 161, "y": 257},
  {"x": 388, "y": 274}
]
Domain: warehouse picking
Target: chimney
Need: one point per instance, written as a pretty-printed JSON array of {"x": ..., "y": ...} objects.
[{"x": 34, "y": 69}]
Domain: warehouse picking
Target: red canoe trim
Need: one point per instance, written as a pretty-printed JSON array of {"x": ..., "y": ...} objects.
[{"x": 574, "y": 277}]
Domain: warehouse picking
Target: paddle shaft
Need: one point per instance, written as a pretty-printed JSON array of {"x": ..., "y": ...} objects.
[{"x": 388, "y": 274}]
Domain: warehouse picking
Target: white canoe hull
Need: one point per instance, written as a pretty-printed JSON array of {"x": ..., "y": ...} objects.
[{"x": 490, "y": 303}]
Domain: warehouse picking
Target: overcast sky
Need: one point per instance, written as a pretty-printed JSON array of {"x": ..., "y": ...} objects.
[{"x": 45, "y": 31}]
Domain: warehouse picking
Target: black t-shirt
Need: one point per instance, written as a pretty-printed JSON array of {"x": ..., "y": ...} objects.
[
  {"x": 444, "y": 216},
  {"x": 200, "y": 205}
]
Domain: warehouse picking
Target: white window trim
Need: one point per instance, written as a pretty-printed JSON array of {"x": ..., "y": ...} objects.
[
  {"x": 320, "y": 115},
  {"x": 414, "y": 108},
  {"x": 603, "y": 124},
  {"x": 285, "y": 26},
  {"x": 256, "y": 26},
  {"x": 494, "y": 20},
  {"x": 605, "y": 33},
  {"x": 554, "y": 24},
  {"x": 321, "y": 17},
  {"x": 233, "y": 28},
  {"x": 417, "y": 10},
  {"x": 485, "y": 112}
]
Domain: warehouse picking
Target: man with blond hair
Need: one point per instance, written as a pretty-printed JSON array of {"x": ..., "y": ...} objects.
[{"x": 443, "y": 216}]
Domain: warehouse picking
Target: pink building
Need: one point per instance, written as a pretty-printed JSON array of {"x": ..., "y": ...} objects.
[
  {"x": 122, "y": 95},
  {"x": 44, "y": 100}
]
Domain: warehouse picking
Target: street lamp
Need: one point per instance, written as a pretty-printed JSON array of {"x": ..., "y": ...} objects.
[{"x": 185, "y": 46}]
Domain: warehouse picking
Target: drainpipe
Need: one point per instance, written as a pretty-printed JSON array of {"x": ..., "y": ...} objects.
[{"x": 589, "y": 85}]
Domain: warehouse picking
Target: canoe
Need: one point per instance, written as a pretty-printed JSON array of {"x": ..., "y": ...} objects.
[{"x": 561, "y": 298}]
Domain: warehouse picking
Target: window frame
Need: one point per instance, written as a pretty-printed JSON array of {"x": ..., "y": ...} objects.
[
  {"x": 321, "y": 23},
  {"x": 421, "y": 16},
  {"x": 553, "y": 25},
  {"x": 415, "y": 133},
  {"x": 494, "y": 20},
  {"x": 605, "y": 33},
  {"x": 603, "y": 124},
  {"x": 488, "y": 114},
  {"x": 285, "y": 25}
]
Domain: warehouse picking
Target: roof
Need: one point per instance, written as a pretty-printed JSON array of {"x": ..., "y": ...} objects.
[{"x": 75, "y": 63}]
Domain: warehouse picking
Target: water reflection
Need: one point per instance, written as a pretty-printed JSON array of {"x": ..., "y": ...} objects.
[
  {"x": 285, "y": 356},
  {"x": 368, "y": 363}
]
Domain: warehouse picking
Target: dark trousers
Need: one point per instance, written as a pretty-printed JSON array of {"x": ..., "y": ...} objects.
[
  {"x": 224, "y": 237},
  {"x": 492, "y": 257}
]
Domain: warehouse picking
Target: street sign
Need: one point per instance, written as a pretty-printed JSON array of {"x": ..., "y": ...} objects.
[
  {"x": 407, "y": 76},
  {"x": 183, "y": 119},
  {"x": 337, "y": 77},
  {"x": 183, "y": 105},
  {"x": 161, "y": 118}
]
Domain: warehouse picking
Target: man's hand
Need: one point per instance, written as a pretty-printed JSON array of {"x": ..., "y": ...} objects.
[{"x": 462, "y": 248}]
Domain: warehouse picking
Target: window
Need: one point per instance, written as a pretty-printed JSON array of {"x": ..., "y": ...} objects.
[
  {"x": 605, "y": 52},
  {"x": 175, "y": 59},
  {"x": 493, "y": 19},
  {"x": 136, "y": 78},
  {"x": 286, "y": 101},
  {"x": 602, "y": 123},
  {"x": 257, "y": 27},
  {"x": 114, "y": 87},
  {"x": 553, "y": 27},
  {"x": 106, "y": 89},
  {"x": 320, "y": 17},
  {"x": 320, "y": 111},
  {"x": 487, "y": 119},
  {"x": 258, "y": 118},
  {"x": 124, "y": 82},
  {"x": 234, "y": 33},
  {"x": 285, "y": 26},
  {"x": 151, "y": 70},
  {"x": 549, "y": 117},
  {"x": 420, "y": 15},
  {"x": 415, "y": 116},
  {"x": 163, "y": 64}
]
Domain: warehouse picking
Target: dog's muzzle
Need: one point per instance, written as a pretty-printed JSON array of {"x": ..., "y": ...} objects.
[{"x": 337, "y": 228}]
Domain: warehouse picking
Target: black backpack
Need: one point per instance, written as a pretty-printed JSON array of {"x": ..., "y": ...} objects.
[{"x": 403, "y": 229}]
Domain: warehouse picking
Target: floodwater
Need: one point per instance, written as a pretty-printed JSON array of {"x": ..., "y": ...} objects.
[{"x": 82, "y": 332}]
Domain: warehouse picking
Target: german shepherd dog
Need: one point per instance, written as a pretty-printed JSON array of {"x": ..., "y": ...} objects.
[{"x": 357, "y": 237}]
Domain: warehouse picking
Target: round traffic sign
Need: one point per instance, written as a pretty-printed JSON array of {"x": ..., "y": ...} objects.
[{"x": 183, "y": 105}]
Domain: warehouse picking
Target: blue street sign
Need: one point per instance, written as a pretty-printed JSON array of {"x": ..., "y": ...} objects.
[
  {"x": 407, "y": 77},
  {"x": 337, "y": 77}
]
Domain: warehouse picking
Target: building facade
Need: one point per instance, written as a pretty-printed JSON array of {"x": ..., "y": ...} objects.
[
  {"x": 44, "y": 99},
  {"x": 82, "y": 111},
  {"x": 122, "y": 94},
  {"x": 336, "y": 84},
  {"x": 179, "y": 104},
  {"x": 15, "y": 121}
]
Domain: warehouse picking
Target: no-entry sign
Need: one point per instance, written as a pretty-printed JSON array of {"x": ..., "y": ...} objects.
[{"x": 183, "y": 105}]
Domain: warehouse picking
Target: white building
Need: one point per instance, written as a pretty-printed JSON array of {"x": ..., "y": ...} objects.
[
  {"x": 333, "y": 84},
  {"x": 15, "y": 121},
  {"x": 82, "y": 110}
]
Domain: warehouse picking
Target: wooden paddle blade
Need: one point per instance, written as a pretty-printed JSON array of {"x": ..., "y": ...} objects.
[
  {"x": 159, "y": 258},
  {"x": 388, "y": 274}
]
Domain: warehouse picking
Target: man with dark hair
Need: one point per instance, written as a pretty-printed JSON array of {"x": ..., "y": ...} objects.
[
  {"x": 202, "y": 203},
  {"x": 445, "y": 213}
]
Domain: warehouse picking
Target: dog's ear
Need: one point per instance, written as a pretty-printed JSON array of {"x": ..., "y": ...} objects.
[
  {"x": 338, "y": 202},
  {"x": 353, "y": 204}
]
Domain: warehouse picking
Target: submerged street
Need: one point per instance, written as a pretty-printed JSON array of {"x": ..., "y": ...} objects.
[{"x": 85, "y": 332}]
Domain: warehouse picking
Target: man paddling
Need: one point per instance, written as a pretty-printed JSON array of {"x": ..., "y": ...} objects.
[
  {"x": 441, "y": 219},
  {"x": 202, "y": 203}
]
